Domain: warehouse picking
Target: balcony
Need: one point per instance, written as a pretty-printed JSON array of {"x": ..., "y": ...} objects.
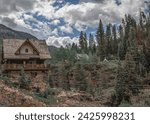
[{"x": 26, "y": 67}]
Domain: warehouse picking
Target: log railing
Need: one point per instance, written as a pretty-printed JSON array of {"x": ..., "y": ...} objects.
[{"x": 26, "y": 67}]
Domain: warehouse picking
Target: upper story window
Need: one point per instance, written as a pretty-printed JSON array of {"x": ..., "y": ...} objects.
[{"x": 26, "y": 50}]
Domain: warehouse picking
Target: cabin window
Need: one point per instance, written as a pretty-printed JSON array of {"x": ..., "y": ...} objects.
[{"x": 26, "y": 50}]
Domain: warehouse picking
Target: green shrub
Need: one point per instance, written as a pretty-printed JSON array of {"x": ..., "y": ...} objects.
[
  {"x": 147, "y": 102},
  {"x": 125, "y": 104},
  {"x": 23, "y": 80},
  {"x": 65, "y": 76},
  {"x": 47, "y": 96},
  {"x": 49, "y": 81},
  {"x": 81, "y": 84},
  {"x": 50, "y": 100},
  {"x": 7, "y": 81}
]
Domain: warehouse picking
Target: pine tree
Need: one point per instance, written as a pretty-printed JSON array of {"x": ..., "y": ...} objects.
[
  {"x": 65, "y": 68},
  {"x": 141, "y": 19},
  {"x": 23, "y": 80},
  {"x": 128, "y": 81},
  {"x": 82, "y": 42},
  {"x": 115, "y": 43},
  {"x": 91, "y": 44},
  {"x": 1, "y": 51},
  {"x": 94, "y": 48},
  {"x": 127, "y": 25},
  {"x": 80, "y": 78},
  {"x": 121, "y": 47},
  {"x": 85, "y": 43},
  {"x": 108, "y": 40},
  {"x": 101, "y": 41}
]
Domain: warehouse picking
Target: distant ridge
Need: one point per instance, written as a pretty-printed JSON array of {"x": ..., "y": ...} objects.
[{"x": 8, "y": 33}]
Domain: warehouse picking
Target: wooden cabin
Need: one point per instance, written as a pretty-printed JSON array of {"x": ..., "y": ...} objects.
[{"x": 27, "y": 54}]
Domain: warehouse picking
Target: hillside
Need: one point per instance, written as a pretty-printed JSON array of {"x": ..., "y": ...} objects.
[
  {"x": 100, "y": 90},
  {"x": 14, "y": 97},
  {"x": 8, "y": 33}
]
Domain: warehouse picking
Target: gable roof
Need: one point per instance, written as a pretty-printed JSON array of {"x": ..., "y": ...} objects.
[
  {"x": 10, "y": 46},
  {"x": 30, "y": 43}
]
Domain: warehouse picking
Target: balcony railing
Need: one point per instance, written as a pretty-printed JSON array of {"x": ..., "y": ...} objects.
[{"x": 26, "y": 67}]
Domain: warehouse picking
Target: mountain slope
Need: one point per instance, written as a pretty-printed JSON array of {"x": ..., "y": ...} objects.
[
  {"x": 10, "y": 96},
  {"x": 8, "y": 33}
]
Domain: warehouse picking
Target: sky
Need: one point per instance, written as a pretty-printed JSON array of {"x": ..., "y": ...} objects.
[{"x": 59, "y": 22}]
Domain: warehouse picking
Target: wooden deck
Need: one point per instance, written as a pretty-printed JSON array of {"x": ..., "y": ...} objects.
[{"x": 26, "y": 67}]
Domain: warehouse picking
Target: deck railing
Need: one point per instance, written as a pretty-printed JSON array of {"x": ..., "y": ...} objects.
[{"x": 26, "y": 67}]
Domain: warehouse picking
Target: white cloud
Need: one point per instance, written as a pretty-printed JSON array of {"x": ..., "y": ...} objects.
[
  {"x": 55, "y": 32},
  {"x": 66, "y": 28},
  {"x": 61, "y": 41},
  {"x": 79, "y": 16},
  {"x": 89, "y": 13},
  {"x": 55, "y": 22},
  {"x": 45, "y": 8}
]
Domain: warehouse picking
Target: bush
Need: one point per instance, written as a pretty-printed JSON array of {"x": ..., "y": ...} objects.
[
  {"x": 80, "y": 78},
  {"x": 65, "y": 76},
  {"x": 7, "y": 81},
  {"x": 23, "y": 80},
  {"x": 49, "y": 100},
  {"x": 50, "y": 81},
  {"x": 128, "y": 82},
  {"x": 125, "y": 104},
  {"x": 147, "y": 102},
  {"x": 95, "y": 91},
  {"x": 47, "y": 96}
]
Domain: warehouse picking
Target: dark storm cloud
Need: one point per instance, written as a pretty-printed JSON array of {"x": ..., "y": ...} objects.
[
  {"x": 7, "y": 21},
  {"x": 98, "y": 1},
  {"x": 118, "y": 2},
  {"x": 8, "y": 6},
  {"x": 93, "y": 1}
]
